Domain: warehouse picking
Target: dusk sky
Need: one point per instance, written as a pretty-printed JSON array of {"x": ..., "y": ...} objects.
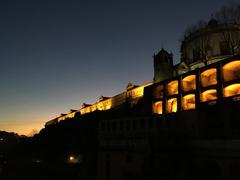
[{"x": 57, "y": 54}]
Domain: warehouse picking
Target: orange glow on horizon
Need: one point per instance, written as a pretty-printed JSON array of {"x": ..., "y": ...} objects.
[{"x": 22, "y": 129}]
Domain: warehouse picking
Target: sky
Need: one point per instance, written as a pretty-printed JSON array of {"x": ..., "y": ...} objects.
[{"x": 57, "y": 54}]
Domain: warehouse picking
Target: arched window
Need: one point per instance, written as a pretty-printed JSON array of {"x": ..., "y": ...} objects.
[
  {"x": 189, "y": 83},
  {"x": 209, "y": 95},
  {"x": 188, "y": 102},
  {"x": 231, "y": 90},
  {"x": 209, "y": 77},
  {"x": 158, "y": 107},
  {"x": 172, "y": 105},
  {"x": 231, "y": 70},
  {"x": 158, "y": 92},
  {"x": 172, "y": 87}
]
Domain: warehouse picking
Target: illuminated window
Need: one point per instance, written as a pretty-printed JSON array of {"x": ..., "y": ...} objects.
[
  {"x": 231, "y": 90},
  {"x": 188, "y": 102},
  {"x": 231, "y": 70},
  {"x": 172, "y": 105},
  {"x": 100, "y": 106},
  {"x": 209, "y": 77},
  {"x": 158, "y": 107},
  {"x": 158, "y": 92},
  {"x": 88, "y": 109},
  {"x": 107, "y": 104},
  {"x": 209, "y": 95},
  {"x": 93, "y": 108},
  {"x": 189, "y": 83},
  {"x": 173, "y": 87}
]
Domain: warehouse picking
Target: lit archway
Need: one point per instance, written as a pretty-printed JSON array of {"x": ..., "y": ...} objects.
[
  {"x": 231, "y": 90},
  {"x": 231, "y": 70},
  {"x": 188, "y": 102},
  {"x": 209, "y": 77},
  {"x": 189, "y": 83},
  {"x": 209, "y": 95},
  {"x": 172, "y": 87},
  {"x": 172, "y": 105},
  {"x": 158, "y": 107}
]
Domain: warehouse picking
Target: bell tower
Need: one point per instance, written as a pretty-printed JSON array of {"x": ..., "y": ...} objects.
[{"x": 163, "y": 66}]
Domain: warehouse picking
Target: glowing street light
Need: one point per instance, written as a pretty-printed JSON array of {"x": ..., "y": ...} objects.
[
  {"x": 71, "y": 158},
  {"x": 74, "y": 159}
]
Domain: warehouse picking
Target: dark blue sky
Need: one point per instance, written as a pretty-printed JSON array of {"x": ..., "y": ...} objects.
[{"x": 57, "y": 54}]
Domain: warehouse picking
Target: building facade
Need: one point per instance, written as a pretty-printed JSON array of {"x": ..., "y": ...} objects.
[{"x": 184, "y": 125}]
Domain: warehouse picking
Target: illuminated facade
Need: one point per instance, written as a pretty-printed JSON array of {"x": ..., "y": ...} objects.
[
  {"x": 205, "y": 46},
  {"x": 131, "y": 96},
  {"x": 202, "y": 103},
  {"x": 209, "y": 84},
  {"x": 179, "y": 123}
]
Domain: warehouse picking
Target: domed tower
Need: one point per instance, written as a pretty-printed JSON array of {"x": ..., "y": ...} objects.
[
  {"x": 210, "y": 43},
  {"x": 163, "y": 66}
]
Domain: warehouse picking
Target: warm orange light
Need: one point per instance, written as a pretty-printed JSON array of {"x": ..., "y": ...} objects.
[
  {"x": 189, "y": 83},
  {"x": 158, "y": 92},
  {"x": 136, "y": 92},
  {"x": 158, "y": 107},
  {"x": 231, "y": 70},
  {"x": 172, "y": 105},
  {"x": 104, "y": 105},
  {"x": 209, "y": 77},
  {"x": 93, "y": 107},
  {"x": 231, "y": 90},
  {"x": 209, "y": 95},
  {"x": 74, "y": 159},
  {"x": 85, "y": 110},
  {"x": 172, "y": 87},
  {"x": 188, "y": 102},
  {"x": 71, "y": 158},
  {"x": 70, "y": 115},
  {"x": 107, "y": 104}
]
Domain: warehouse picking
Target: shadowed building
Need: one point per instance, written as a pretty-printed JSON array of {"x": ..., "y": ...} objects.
[{"x": 163, "y": 66}]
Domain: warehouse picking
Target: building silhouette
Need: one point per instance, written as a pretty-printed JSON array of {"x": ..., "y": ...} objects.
[{"x": 183, "y": 125}]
